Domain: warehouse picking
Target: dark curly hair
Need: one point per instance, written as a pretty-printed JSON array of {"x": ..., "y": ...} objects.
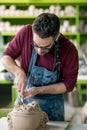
[{"x": 46, "y": 25}]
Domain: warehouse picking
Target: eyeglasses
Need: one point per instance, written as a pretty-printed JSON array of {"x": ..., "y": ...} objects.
[{"x": 48, "y": 47}]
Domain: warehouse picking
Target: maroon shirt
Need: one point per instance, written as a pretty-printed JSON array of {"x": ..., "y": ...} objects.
[{"x": 68, "y": 56}]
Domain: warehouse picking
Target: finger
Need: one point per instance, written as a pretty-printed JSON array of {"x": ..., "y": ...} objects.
[
  {"x": 25, "y": 93},
  {"x": 22, "y": 88},
  {"x": 17, "y": 84},
  {"x": 23, "y": 85},
  {"x": 27, "y": 97}
]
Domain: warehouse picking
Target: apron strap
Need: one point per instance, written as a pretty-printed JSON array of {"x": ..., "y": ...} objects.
[
  {"x": 32, "y": 61},
  {"x": 57, "y": 46}
]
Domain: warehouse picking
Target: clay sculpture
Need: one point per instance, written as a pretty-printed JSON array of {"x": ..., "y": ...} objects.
[{"x": 27, "y": 117}]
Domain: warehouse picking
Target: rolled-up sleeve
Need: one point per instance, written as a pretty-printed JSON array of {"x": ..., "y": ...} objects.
[{"x": 71, "y": 67}]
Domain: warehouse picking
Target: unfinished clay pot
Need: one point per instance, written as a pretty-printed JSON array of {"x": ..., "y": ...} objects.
[{"x": 27, "y": 117}]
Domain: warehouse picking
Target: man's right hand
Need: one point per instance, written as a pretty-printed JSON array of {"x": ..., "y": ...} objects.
[{"x": 20, "y": 80}]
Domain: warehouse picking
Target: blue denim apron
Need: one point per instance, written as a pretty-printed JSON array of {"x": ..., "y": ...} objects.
[{"x": 52, "y": 104}]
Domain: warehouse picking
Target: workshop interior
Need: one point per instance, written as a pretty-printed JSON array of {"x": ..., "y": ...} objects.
[{"x": 14, "y": 14}]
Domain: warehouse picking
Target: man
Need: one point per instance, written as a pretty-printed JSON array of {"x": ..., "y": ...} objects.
[{"x": 49, "y": 64}]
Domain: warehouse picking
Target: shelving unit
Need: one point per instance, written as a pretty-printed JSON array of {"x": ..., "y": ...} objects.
[
  {"x": 22, "y": 19},
  {"x": 78, "y": 36},
  {"x": 5, "y": 93},
  {"x": 83, "y": 18},
  {"x": 82, "y": 89}
]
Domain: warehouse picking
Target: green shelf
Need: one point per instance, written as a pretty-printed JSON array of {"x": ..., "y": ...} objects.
[
  {"x": 17, "y": 17},
  {"x": 5, "y": 82},
  {"x": 14, "y": 1},
  {"x": 81, "y": 81},
  {"x": 71, "y": 34},
  {"x": 82, "y": 92},
  {"x": 4, "y": 111},
  {"x": 14, "y": 94},
  {"x": 68, "y": 17},
  {"x": 8, "y": 34},
  {"x": 43, "y": 2},
  {"x": 33, "y": 17},
  {"x": 85, "y": 34},
  {"x": 13, "y": 33},
  {"x": 37, "y": 2},
  {"x": 83, "y": 17}
]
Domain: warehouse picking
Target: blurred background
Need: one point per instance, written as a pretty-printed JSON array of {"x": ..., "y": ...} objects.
[{"x": 14, "y": 14}]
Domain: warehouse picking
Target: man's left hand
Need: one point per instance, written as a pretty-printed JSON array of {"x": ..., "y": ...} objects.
[{"x": 29, "y": 93}]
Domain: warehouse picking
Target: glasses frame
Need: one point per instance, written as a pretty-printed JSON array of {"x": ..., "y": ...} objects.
[{"x": 44, "y": 48}]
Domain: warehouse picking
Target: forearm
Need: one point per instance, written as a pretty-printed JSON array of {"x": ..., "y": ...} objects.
[
  {"x": 57, "y": 88},
  {"x": 20, "y": 79},
  {"x": 10, "y": 65}
]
